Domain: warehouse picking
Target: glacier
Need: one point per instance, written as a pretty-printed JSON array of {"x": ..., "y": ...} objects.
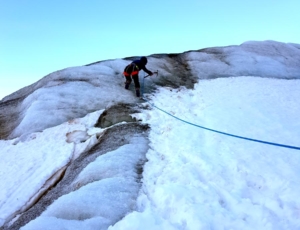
[{"x": 78, "y": 151}]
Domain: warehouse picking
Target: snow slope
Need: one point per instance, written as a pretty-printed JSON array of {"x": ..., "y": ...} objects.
[
  {"x": 196, "y": 179},
  {"x": 31, "y": 164},
  {"x": 193, "y": 178}
]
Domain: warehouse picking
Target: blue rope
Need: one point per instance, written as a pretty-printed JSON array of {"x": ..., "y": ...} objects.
[{"x": 216, "y": 131}]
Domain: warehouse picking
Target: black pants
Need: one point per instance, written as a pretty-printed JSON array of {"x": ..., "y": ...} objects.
[{"x": 135, "y": 80}]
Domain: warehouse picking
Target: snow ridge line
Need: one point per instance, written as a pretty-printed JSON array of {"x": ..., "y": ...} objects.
[{"x": 224, "y": 133}]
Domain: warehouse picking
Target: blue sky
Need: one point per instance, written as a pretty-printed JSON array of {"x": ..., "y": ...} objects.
[{"x": 40, "y": 37}]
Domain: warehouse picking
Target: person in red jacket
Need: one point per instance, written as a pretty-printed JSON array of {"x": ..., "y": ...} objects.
[{"x": 131, "y": 71}]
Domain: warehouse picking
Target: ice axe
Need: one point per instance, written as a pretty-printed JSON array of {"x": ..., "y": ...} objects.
[{"x": 156, "y": 72}]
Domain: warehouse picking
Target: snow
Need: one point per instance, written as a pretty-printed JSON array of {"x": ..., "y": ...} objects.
[
  {"x": 264, "y": 59},
  {"x": 106, "y": 191},
  {"x": 193, "y": 178},
  {"x": 197, "y": 179},
  {"x": 28, "y": 162}
]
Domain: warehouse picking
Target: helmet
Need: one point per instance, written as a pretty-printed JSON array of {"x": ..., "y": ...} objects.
[{"x": 144, "y": 60}]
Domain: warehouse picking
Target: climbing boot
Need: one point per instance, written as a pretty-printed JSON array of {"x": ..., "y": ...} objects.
[{"x": 137, "y": 91}]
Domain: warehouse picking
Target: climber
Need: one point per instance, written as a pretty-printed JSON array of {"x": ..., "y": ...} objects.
[{"x": 131, "y": 71}]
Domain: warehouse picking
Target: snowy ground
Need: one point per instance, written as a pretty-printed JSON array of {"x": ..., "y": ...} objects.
[
  {"x": 197, "y": 179},
  {"x": 28, "y": 162}
]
